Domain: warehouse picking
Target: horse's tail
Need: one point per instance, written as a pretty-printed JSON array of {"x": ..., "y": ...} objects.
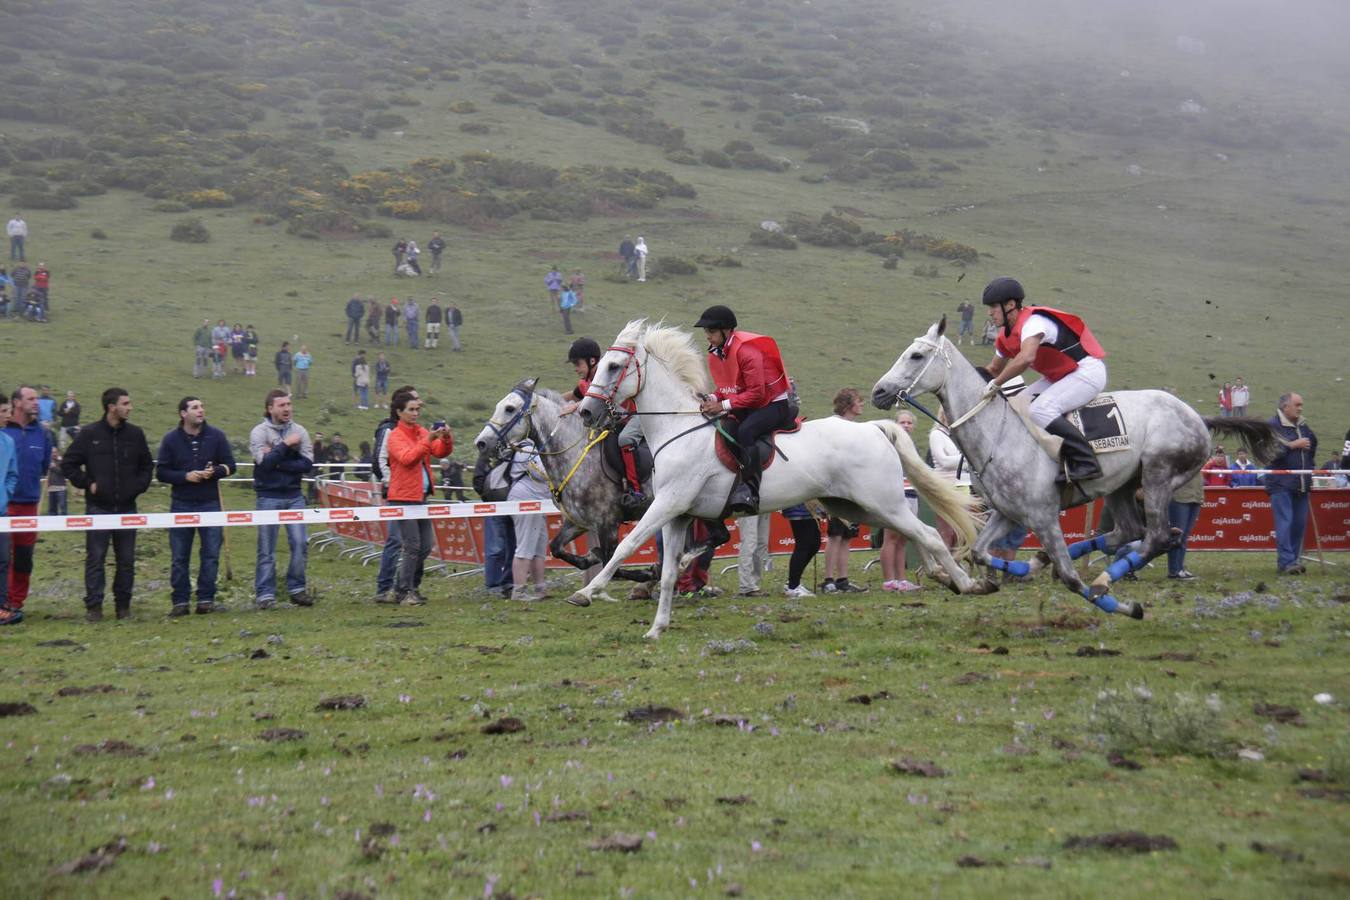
[
  {"x": 1257, "y": 435},
  {"x": 949, "y": 503}
]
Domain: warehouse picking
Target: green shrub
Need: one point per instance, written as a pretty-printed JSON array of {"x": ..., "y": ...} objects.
[
  {"x": 98, "y": 234},
  {"x": 922, "y": 271},
  {"x": 475, "y": 128},
  {"x": 190, "y": 231},
  {"x": 731, "y": 148},
  {"x": 24, "y": 184},
  {"x": 722, "y": 261},
  {"x": 48, "y": 200},
  {"x": 682, "y": 158},
  {"x": 1167, "y": 724},
  {"x": 772, "y": 240},
  {"x": 716, "y": 158},
  {"x": 388, "y": 120},
  {"x": 663, "y": 266}
]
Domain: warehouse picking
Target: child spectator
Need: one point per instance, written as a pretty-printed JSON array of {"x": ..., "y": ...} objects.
[
  {"x": 56, "y": 489},
  {"x": 250, "y": 350},
  {"x": 382, "y": 370}
]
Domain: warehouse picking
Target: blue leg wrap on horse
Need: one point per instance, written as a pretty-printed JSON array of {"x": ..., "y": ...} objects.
[
  {"x": 1127, "y": 563},
  {"x": 1082, "y": 548},
  {"x": 1106, "y": 603},
  {"x": 996, "y": 563},
  {"x": 1018, "y": 568}
]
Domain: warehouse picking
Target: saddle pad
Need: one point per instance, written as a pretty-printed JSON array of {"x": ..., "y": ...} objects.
[
  {"x": 1102, "y": 424},
  {"x": 767, "y": 454}
]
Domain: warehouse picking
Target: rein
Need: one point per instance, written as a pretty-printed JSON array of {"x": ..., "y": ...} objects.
[{"x": 906, "y": 398}]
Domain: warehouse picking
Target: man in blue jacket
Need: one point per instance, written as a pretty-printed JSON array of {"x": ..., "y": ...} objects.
[
  {"x": 34, "y": 448},
  {"x": 9, "y": 479},
  {"x": 282, "y": 455},
  {"x": 1289, "y": 493},
  {"x": 192, "y": 458},
  {"x": 110, "y": 461}
]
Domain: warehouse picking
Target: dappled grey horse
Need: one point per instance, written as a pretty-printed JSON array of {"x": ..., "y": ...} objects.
[
  {"x": 571, "y": 459},
  {"x": 1168, "y": 443}
]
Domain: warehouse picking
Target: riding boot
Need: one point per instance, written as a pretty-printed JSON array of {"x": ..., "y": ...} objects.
[
  {"x": 745, "y": 498},
  {"x": 632, "y": 496},
  {"x": 1078, "y": 461}
]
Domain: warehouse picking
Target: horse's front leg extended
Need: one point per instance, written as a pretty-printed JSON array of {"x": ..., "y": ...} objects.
[
  {"x": 672, "y": 541},
  {"x": 657, "y": 515},
  {"x": 569, "y": 532},
  {"x": 1052, "y": 539}
]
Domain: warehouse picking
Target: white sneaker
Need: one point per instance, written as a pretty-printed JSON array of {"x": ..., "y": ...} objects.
[
  {"x": 798, "y": 592},
  {"x": 907, "y": 585}
]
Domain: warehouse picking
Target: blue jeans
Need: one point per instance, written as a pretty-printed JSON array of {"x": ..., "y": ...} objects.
[
  {"x": 390, "y": 335},
  {"x": 265, "y": 574},
  {"x": 364, "y": 391},
  {"x": 412, "y": 333},
  {"x": 20, "y": 296},
  {"x": 499, "y": 546},
  {"x": 56, "y": 503},
  {"x": 1291, "y": 521},
  {"x": 180, "y": 549},
  {"x": 1183, "y": 516},
  {"x": 353, "y": 330},
  {"x": 16, "y": 248}
]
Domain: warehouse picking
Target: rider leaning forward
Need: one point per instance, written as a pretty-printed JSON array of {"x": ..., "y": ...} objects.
[
  {"x": 753, "y": 395},
  {"x": 1063, "y": 350},
  {"x": 584, "y": 355}
]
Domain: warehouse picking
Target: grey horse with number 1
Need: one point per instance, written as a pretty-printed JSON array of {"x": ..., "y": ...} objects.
[{"x": 1168, "y": 443}]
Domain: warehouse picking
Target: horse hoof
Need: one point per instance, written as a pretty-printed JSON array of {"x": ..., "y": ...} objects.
[
  {"x": 653, "y": 634},
  {"x": 579, "y": 599},
  {"x": 604, "y": 595},
  {"x": 1136, "y": 611}
]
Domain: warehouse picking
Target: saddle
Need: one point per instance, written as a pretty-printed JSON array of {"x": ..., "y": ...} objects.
[
  {"x": 768, "y": 447},
  {"x": 1100, "y": 421},
  {"x": 611, "y": 460}
]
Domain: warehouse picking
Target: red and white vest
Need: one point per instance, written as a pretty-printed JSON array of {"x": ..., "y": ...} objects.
[{"x": 1075, "y": 342}]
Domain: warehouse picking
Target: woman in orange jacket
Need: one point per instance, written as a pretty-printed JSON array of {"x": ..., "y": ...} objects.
[{"x": 411, "y": 481}]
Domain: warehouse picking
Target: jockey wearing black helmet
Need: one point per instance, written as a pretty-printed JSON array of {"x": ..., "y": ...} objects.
[
  {"x": 753, "y": 395},
  {"x": 1063, "y": 350},
  {"x": 584, "y": 355}
]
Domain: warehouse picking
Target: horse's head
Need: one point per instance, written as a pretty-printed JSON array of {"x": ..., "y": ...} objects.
[
  {"x": 617, "y": 378},
  {"x": 920, "y": 369},
  {"x": 510, "y": 420}
]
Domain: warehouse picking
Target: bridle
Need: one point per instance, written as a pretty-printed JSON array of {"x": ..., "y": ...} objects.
[
  {"x": 633, "y": 366},
  {"x": 500, "y": 430}
]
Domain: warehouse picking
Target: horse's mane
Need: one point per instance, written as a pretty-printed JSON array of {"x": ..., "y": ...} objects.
[
  {"x": 524, "y": 386},
  {"x": 673, "y": 347}
]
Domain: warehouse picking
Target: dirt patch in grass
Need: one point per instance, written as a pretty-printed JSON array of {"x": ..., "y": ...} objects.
[
  {"x": 71, "y": 690},
  {"x": 505, "y": 725},
  {"x": 567, "y": 816},
  {"x": 1121, "y": 841},
  {"x": 1120, "y": 761},
  {"x": 17, "y": 709},
  {"x": 922, "y": 769},
  {"x": 653, "y": 714},
  {"x": 1282, "y": 853},
  {"x": 110, "y": 747},
  {"x": 971, "y": 678},
  {"x": 1095, "y": 651},
  {"x": 866, "y": 699},
  {"x": 618, "y": 842},
  {"x": 343, "y": 701},
  {"x": 1285, "y": 715},
  {"x": 96, "y": 860},
  {"x": 738, "y": 800},
  {"x": 1171, "y": 656},
  {"x": 275, "y": 735}
]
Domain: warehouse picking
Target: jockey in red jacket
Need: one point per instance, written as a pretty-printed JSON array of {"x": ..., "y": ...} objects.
[
  {"x": 584, "y": 355},
  {"x": 753, "y": 395},
  {"x": 1064, "y": 351}
]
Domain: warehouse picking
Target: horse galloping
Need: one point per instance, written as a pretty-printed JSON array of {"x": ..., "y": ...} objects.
[
  {"x": 1168, "y": 443},
  {"x": 856, "y": 469}
]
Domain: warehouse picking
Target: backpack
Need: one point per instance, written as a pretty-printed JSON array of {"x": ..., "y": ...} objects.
[{"x": 497, "y": 485}]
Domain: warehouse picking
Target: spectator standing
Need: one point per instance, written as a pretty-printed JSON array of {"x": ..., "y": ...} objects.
[
  {"x": 250, "y": 351},
  {"x": 452, "y": 480},
  {"x": 400, "y": 247},
  {"x": 990, "y": 331},
  {"x": 9, "y": 480},
  {"x": 752, "y": 558},
  {"x": 237, "y": 347},
  {"x": 20, "y": 275},
  {"x": 1289, "y": 493},
  {"x": 893, "y": 542},
  {"x": 357, "y": 397},
  {"x": 640, "y": 258},
  {"x": 282, "y": 457},
  {"x": 4, "y": 295},
  {"x": 220, "y": 346},
  {"x": 434, "y": 317},
  {"x": 411, "y": 482},
  {"x": 17, "y": 229},
  {"x": 411, "y": 314},
  {"x": 356, "y": 311},
  {"x": 42, "y": 282},
  {"x": 391, "y": 317},
  {"x": 56, "y": 490},
  {"x": 578, "y": 285},
  {"x": 553, "y": 283},
  {"x": 565, "y": 306},
  {"x": 967, "y": 311},
  {"x": 1247, "y": 477},
  {"x": 629, "y": 258},
  {"x": 201, "y": 345},
  {"x": 806, "y": 544},
  {"x": 437, "y": 246},
  {"x": 382, "y": 372},
  {"x": 1241, "y": 397},
  {"x": 848, "y": 405},
  {"x": 283, "y": 363},
  {"x": 302, "y": 362},
  {"x": 393, "y": 541},
  {"x": 374, "y": 316},
  {"x": 46, "y": 408},
  {"x": 34, "y": 450},
  {"x": 499, "y": 535},
  {"x": 192, "y": 459},
  {"x": 1213, "y": 470},
  {"x": 110, "y": 461},
  {"x": 70, "y": 418},
  {"x": 1183, "y": 510},
  {"x": 411, "y": 254},
  {"x": 453, "y": 320},
  {"x": 1226, "y": 400},
  {"x": 531, "y": 531}
]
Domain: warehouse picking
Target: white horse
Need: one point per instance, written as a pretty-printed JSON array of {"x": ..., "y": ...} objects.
[{"x": 856, "y": 469}]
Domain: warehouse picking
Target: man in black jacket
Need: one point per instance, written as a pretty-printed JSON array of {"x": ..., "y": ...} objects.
[
  {"x": 356, "y": 311},
  {"x": 110, "y": 461},
  {"x": 192, "y": 459}
]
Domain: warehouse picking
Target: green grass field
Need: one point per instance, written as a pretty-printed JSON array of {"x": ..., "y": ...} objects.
[{"x": 1220, "y": 255}]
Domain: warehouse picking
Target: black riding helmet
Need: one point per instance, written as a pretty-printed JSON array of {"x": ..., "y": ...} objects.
[
  {"x": 717, "y": 317},
  {"x": 1001, "y": 289},
  {"x": 583, "y": 348}
]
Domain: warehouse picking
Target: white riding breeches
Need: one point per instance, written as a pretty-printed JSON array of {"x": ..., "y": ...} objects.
[{"x": 1055, "y": 398}]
